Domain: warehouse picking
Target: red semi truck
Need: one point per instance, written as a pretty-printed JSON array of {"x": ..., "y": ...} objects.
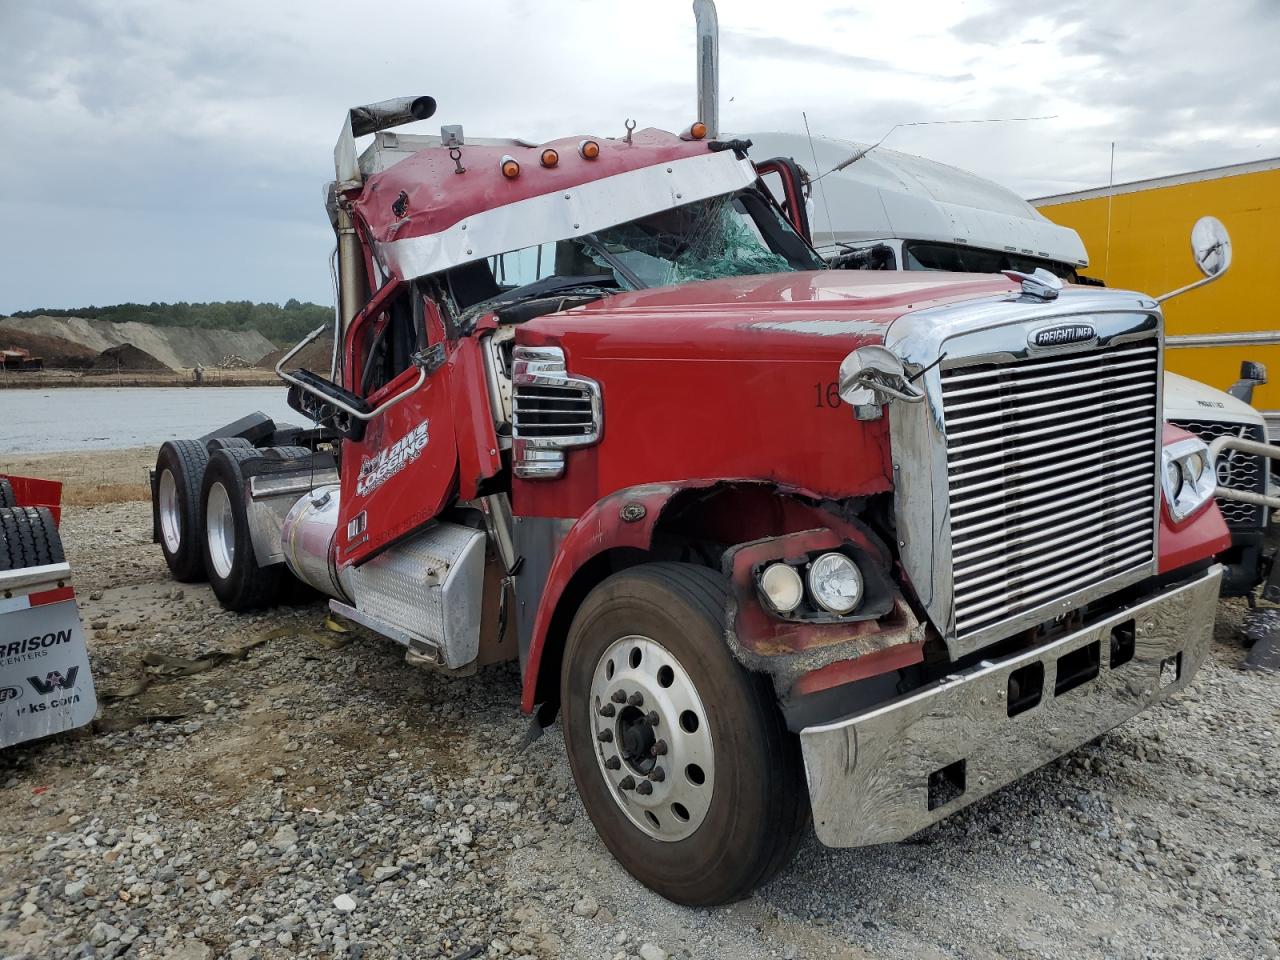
[{"x": 774, "y": 542}]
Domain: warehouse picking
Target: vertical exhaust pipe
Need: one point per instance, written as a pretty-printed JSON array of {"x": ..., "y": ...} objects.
[{"x": 704, "y": 12}]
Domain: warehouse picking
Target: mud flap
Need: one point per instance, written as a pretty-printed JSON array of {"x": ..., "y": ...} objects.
[
  {"x": 45, "y": 683},
  {"x": 1261, "y": 629}
]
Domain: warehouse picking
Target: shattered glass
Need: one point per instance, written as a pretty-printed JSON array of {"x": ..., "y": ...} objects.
[{"x": 699, "y": 241}]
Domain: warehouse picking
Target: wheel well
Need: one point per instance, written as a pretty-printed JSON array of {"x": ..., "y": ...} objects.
[{"x": 599, "y": 568}]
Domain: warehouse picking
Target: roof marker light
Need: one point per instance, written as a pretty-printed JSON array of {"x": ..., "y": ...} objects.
[
  {"x": 588, "y": 149},
  {"x": 695, "y": 131},
  {"x": 510, "y": 168},
  {"x": 549, "y": 157}
]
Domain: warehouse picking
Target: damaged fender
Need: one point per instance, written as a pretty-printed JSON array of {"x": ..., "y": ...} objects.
[{"x": 816, "y": 654}]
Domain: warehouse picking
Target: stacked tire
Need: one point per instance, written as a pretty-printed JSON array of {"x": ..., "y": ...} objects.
[{"x": 28, "y": 537}]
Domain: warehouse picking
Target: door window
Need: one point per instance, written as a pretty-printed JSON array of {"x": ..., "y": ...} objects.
[{"x": 386, "y": 343}]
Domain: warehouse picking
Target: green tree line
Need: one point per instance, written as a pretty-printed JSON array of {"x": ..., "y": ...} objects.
[{"x": 281, "y": 325}]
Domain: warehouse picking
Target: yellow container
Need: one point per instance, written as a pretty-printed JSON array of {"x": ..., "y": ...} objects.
[{"x": 1138, "y": 238}]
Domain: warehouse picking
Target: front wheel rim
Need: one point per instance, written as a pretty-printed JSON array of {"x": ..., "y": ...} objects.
[
  {"x": 170, "y": 515},
  {"x": 220, "y": 527},
  {"x": 652, "y": 738}
]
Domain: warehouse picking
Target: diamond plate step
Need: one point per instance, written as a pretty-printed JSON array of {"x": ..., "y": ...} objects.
[{"x": 428, "y": 589}]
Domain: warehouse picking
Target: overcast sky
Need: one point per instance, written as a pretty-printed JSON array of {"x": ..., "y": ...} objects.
[{"x": 171, "y": 150}]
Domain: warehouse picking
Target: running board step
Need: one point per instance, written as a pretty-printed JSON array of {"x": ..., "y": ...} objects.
[{"x": 424, "y": 593}]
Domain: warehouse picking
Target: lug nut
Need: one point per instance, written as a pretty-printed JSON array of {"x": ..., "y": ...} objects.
[
  {"x": 605, "y": 736},
  {"x": 608, "y": 710},
  {"x": 652, "y": 718},
  {"x": 628, "y": 782},
  {"x": 658, "y": 749},
  {"x": 613, "y": 763},
  {"x": 657, "y": 774},
  {"x": 619, "y": 696},
  {"x": 636, "y": 699},
  {"x": 645, "y": 787}
]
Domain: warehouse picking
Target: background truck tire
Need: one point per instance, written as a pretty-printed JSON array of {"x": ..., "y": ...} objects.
[
  {"x": 758, "y": 805},
  {"x": 28, "y": 538},
  {"x": 180, "y": 468},
  {"x": 6, "y": 494},
  {"x": 237, "y": 580}
]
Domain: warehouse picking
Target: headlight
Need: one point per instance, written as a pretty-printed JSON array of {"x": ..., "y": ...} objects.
[
  {"x": 1189, "y": 477},
  {"x": 782, "y": 587},
  {"x": 835, "y": 583}
]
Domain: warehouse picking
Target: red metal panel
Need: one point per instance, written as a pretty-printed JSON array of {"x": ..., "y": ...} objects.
[
  {"x": 33, "y": 492},
  {"x": 478, "y": 457}
]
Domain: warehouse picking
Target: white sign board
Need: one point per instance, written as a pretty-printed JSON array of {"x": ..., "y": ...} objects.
[{"x": 45, "y": 682}]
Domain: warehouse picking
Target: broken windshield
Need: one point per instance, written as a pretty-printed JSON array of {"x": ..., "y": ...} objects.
[{"x": 733, "y": 235}]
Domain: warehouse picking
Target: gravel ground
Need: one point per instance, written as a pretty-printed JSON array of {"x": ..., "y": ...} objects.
[{"x": 317, "y": 797}]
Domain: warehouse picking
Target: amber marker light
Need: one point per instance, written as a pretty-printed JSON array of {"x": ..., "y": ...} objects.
[
  {"x": 588, "y": 149},
  {"x": 695, "y": 131},
  {"x": 549, "y": 157},
  {"x": 510, "y": 168}
]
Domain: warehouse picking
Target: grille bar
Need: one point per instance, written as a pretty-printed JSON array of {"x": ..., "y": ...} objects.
[{"x": 1051, "y": 475}]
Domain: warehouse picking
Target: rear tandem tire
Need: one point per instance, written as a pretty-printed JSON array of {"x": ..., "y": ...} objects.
[
  {"x": 28, "y": 538},
  {"x": 180, "y": 468},
  {"x": 713, "y": 835},
  {"x": 237, "y": 580},
  {"x": 6, "y": 494}
]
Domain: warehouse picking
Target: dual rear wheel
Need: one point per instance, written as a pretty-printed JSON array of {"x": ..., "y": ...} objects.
[{"x": 202, "y": 521}]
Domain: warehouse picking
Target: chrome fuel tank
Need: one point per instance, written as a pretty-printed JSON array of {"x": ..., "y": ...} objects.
[{"x": 307, "y": 540}]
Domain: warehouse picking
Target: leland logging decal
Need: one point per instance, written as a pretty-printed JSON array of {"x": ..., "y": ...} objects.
[{"x": 377, "y": 470}]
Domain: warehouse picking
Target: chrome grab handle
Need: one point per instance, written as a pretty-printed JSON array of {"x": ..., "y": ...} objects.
[
  {"x": 1270, "y": 450},
  {"x": 346, "y": 408}
]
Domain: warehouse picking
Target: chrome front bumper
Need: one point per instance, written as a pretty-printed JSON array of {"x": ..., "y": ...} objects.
[{"x": 883, "y": 775}]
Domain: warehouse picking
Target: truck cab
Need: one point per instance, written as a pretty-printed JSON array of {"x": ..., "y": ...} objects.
[{"x": 775, "y": 543}]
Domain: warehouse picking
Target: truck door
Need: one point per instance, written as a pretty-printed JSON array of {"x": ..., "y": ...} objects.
[{"x": 402, "y": 472}]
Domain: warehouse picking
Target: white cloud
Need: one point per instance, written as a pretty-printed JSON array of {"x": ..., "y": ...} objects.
[{"x": 176, "y": 150}]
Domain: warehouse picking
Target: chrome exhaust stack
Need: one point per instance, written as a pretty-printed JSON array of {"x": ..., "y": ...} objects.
[
  {"x": 362, "y": 120},
  {"x": 704, "y": 12}
]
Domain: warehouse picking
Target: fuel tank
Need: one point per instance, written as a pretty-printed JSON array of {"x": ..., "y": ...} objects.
[{"x": 307, "y": 540}]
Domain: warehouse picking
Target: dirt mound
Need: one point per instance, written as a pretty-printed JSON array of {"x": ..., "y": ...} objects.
[
  {"x": 175, "y": 347},
  {"x": 315, "y": 357},
  {"x": 127, "y": 357},
  {"x": 55, "y": 351}
]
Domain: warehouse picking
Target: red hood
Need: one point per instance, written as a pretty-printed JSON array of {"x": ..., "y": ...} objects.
[{"x": 787, "y": 316}]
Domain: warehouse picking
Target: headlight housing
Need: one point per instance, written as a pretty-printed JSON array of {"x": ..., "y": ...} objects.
[{"x": 1187, "y": 477}]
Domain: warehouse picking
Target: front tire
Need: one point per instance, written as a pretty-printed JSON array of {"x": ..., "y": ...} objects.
[
  {"x": 681, "y": 756},
  {"x": 237, "y": 580}
]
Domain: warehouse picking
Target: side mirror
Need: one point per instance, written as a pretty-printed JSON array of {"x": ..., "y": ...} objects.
[
  {"x": 872, "y": 376},
  {"x": 1211, "y": 248},
  {"x": 1252, "y": 374}
]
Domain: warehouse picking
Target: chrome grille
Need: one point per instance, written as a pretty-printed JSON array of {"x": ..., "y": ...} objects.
[
  {"x": 1238, "y": 470},
  {"x": 1051, "y": 476}
]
